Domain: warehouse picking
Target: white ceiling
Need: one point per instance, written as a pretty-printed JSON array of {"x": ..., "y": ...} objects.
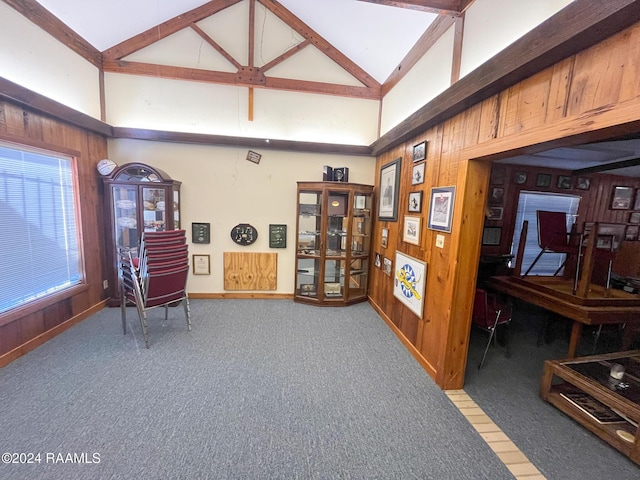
[{"x": 375, "y": 37}]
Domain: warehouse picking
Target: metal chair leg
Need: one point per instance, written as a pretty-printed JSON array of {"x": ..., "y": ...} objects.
[{"x": 493, "y": 331}]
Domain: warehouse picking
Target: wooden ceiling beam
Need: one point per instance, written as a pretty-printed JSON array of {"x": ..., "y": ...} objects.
[
  {"x": 215, "y": 45},
  {"x": 165, "y": 29},
  {"x": 245, "y": 77},
  {"x": 437, "y": 28},
  {"x": 289, "y": 53},
  {"x": 606, "y": 167},
  {"x": 319, "y": 42},
  {"x": 441, "y": 7},
  {"x": 44, "y": 19}
]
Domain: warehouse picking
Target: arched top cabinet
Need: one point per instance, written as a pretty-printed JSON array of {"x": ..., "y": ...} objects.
[{"x": 138, "y": 198}]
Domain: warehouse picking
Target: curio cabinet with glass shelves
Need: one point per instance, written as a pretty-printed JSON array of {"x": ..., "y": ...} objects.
[
  {"x": 139, "y": 198},
  {"x": 333, "y": 242}
]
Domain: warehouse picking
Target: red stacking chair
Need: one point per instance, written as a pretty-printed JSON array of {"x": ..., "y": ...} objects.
[
  {"x": 157, "y": 278},
  {"x": 490, "y": 311}
]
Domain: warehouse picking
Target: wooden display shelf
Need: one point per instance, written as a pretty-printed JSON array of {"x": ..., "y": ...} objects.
[{"x": 590, "y": 376}]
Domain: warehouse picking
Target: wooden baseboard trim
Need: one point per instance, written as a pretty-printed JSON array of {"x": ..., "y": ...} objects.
[
  {"x": 409, "y": 346},
  {"x": 44, "y": 337},
  {"x": 219, "y": 296}
]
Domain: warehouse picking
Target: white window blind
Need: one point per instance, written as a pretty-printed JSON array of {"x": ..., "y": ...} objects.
[
  {"x": 39, "y": 238},
  {"x": 528, "y": 204}
]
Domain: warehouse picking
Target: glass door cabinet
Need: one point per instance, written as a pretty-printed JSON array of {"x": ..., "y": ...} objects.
[
  {"x": 333, "y": 242},
  {"x": 139, "y": 198}
]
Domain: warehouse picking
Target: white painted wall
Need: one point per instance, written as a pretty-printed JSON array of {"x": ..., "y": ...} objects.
[
  {"x": 162, "y": 104},
  {"x": 429, "y": 77},
  {"x": 32, "y": 58},
  {"x": 492, "y": 25},
  {"x": 221, "y": 187}
]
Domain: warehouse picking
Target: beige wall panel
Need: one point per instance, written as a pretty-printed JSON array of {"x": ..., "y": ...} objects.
[
  {"x": 220, "y": 187},
  {"x": 173, "y": 105},
  {"x": 40, "y": 63}
]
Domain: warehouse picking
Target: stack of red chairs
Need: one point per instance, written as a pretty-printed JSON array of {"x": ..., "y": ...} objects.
[{"x": 157, "y": 277}]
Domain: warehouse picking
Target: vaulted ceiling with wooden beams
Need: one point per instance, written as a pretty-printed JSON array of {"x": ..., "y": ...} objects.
[{"x": 251, "y": 42}]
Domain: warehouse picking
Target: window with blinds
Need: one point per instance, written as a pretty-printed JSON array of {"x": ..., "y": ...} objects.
[
  {"x": 528, "y": 203},
  {"x": 39, "y": 235}
]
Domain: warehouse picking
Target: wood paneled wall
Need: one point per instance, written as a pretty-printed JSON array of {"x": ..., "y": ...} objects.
[
  {"x": 19, "y": 334},
  {"x": 590, "y": 96}
]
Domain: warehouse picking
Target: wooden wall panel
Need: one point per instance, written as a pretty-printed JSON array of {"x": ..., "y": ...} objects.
[
  {"x": 569, "y": 99},
  {"x": 605, "y": 75},
  {"x": 21, "y": 125}
]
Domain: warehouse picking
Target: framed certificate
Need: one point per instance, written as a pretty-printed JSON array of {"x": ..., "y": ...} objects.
[{"x": 201, "y": 264}]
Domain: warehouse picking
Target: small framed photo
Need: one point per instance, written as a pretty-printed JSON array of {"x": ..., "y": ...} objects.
[
  {"x": 332, "y": 289},
  {"x": 420, "y": 151},
  {"x": 385, "y": 237},
  {"x": 632, "y": 232},
  {"x": 308, "y": 289},
  {"x": 411, "y": 232},
  {"x": 543, "y": 180},
  {"x": 495, "y": 213},
  {"x": 636, "y": 206},
  {"x": 378, "y": 260},
  {"x": 634, "y": 217},
  {"x": 520, "y": 178},
  {"x": 415, "y": 202},
  {"x": 491, "y": 235},
  {"x": 498, "y": 175},
  {"x": 201, "y": 264},
  {"x": 497, "y": 195},
  {"x": 441, "y": 208},
  {"x": 621, "y": 198},
  {"x": 564, "y": 182},
  {"x": 417, "y": 174},
  {"x": 583, "y": 183},
  {"x": 387, "y": 265}
]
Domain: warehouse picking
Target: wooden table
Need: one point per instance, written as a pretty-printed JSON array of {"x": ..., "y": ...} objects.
[
  {"x": 583, "y": 389},
  {"x": 555, "y": 295}
]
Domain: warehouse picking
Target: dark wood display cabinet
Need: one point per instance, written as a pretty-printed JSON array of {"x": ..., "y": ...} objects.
[
  {"x": 333, "y": 243},
  {"x": 139, "y": 198}
]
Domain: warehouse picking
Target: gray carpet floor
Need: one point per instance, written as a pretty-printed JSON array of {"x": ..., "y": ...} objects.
[
  {"x": 507, "y": 390},
  {"x": 260, "y": 389}
]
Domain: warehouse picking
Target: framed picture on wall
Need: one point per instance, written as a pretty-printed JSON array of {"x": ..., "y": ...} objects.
[
  {"x": 632, "y": 232},
  {"x": 634, "y": 217},
  {"x": 411, "y": 231},
  {"x": 491, "y": 235},
  {"x": 497, "y": 195},
  {"x": 417, "y": 174},
  {"x": 420, "y": 151},
  {"x": 543, "y": 180},
  {"x": 441, "y": 208},
  {"x": 495, "y": 213},
  {"x": 385, "y": 237},
  {"x": 415, "y": 202},
  {"x": 389, "y": 186},
  {"x": 564, "y": 182},
  {"x": 621, "y": 198},
  {"x": 583, "y": 183},
  {"x": 409, "y": 282}
]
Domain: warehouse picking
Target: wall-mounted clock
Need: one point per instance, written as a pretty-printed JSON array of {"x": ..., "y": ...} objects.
[{"x": 244, "y": 234}]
